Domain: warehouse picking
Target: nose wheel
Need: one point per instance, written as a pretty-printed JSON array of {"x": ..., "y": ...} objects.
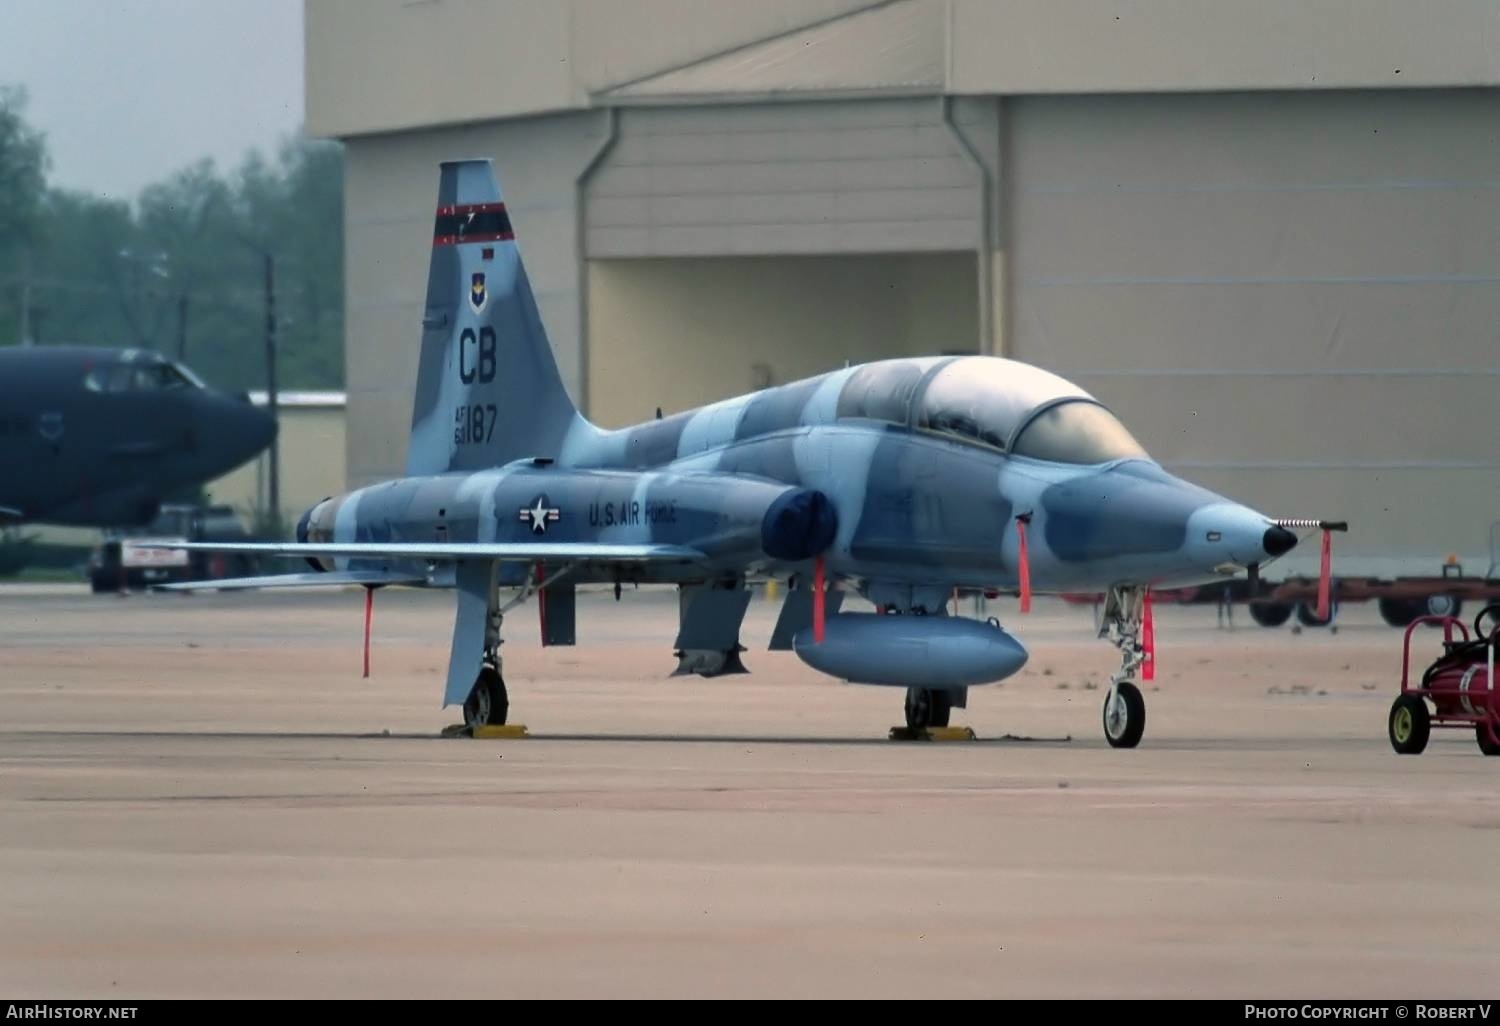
[
  {"x": 1124, "y": 715},
  {"x": 1124, "y": 708}
]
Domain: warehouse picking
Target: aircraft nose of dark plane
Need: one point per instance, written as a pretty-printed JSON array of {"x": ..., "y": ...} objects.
[
  {"x": 1278, "y": 541},
  {"x": 259, "y": 430},
  {"x": 236, "y": 431}
]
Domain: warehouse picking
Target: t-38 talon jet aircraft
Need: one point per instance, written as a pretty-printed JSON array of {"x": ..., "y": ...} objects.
[{"x": 905, "y": 481}]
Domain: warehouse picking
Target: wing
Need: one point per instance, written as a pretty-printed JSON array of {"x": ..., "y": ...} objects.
[
  {"x": 331, "y": 579},
  {"x": 501, "y": 552}
]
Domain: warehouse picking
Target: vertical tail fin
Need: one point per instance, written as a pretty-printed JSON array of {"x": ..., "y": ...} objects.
[{"x": 488, "y": 390}]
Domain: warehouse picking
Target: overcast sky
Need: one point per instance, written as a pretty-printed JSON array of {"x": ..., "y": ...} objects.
[{"x": 128, "y": 91}]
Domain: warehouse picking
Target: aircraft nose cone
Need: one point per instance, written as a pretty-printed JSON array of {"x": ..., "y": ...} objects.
[
  {"x": 234, "y": 432},
  {"x": 1278, "y": 540},
  {"x": 263, "y": 430}
]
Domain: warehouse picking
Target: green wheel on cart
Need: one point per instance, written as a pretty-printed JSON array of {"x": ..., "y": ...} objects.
[{"x": 1409, "y": 725}]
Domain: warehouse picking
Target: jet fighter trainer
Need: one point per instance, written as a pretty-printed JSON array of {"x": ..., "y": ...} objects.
[{"x": 904, "y": 481}]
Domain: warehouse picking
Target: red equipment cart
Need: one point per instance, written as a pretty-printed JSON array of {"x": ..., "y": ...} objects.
[{"x": 1460, "y": 685}]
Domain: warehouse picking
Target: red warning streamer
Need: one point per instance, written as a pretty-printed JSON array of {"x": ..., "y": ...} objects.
[
  {"x": 819, "y": 610},
  {"x": 1325, "y": 575},
  {"x": 541, "y": 600},
  {"x": 369, "y": 611},
  {"x": 1025, "y": 567},
  {"x": 1148, "y": 639}
]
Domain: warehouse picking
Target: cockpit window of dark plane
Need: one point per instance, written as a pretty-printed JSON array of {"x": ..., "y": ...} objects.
[
  {"x": 145, "y": 377},
  {"x": 1077, "y": 431},
  {"x": 160, "y": 375}
]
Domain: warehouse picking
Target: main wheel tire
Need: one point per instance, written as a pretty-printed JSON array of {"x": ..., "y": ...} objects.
[
  {"x": 1482, "y": 735},
  {"x": 927, "y": 707},
  {"x": 1409, "y": 725},
  {"x": 1124, "y": 716},
  {"x": 1307, "y": 614},
  {"x": 1440, "y": 605},
  {"x": 1270, "y": 614},
  {"x": 487, "y": 704},
  {"x": 1398, "y": 612}
]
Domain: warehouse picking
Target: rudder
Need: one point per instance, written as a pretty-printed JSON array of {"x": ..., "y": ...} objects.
[{"x": 488, "y": 389}]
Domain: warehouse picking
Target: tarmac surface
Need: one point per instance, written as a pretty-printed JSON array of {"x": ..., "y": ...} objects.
[{"x": 199, "y": 797}]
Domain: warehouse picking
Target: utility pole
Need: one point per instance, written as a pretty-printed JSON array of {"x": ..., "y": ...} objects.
[
  {"x": 271, "y": 404},
  {"x": 26, "y": 338},
  {"x": 182, "y": 305}
]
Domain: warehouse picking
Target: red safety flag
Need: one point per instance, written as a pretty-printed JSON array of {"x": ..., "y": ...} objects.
[
  {"x": 541, "y": 601},
  {"x": 1325, "y": 576},
  {"x": 1148, "y": 639},
  {"x": 1025, "y": 565},
  {"x": 369, "y": 610}
]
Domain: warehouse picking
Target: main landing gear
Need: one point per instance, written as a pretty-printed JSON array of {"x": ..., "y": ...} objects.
[
  {"x": 488, "y": 703},
  {"x": 1124, "y": 708},
  {"x": 928, "y": 707}
]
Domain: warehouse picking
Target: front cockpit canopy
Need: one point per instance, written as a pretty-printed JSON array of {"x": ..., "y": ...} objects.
[
  {"x": 140, "y": 372},
  {"x": 1005, "y": 405}
]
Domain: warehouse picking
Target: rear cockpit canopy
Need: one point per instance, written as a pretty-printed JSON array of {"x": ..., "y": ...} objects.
[
  {"x": 1001, "y": 404},
  {"x": 139, "y": 372}
]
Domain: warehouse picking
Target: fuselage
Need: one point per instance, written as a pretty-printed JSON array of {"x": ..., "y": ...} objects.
[
  {"x": 928, "y": 464},
  {"x": 99, "y": 437}
]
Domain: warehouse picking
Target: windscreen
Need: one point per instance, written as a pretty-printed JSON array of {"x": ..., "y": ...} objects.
[{"x": 1078, "y": 431}]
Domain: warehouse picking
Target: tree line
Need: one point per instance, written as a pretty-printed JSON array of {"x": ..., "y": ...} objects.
[{"x": 180, "y": 270}]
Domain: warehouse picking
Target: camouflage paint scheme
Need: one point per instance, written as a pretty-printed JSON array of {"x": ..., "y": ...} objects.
[
  {"x": 906, "y": 476},
  {"x": 914, "y": 506}
]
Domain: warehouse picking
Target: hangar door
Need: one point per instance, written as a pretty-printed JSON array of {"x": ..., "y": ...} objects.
[
  {"x": 1293, "y": 298},
  {"x": 732, "y": 247}
]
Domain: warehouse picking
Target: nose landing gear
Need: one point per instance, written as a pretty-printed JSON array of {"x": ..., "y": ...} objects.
[{"x": 1124, "y": 707}]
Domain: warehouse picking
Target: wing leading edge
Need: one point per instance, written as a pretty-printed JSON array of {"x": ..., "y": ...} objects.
[
  {"x": 500, "y": 552},
  {"x": 330, "y": 579}
]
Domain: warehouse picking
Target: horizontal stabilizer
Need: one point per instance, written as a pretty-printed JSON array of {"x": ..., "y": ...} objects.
[
  {"x": 500, "y": 552},
  {"x": 332, "y": 579}
]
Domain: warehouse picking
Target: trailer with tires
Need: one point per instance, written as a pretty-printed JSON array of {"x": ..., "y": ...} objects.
[{"x": 1401, "y": 600}]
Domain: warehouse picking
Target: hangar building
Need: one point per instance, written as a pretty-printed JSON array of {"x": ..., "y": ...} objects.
[{"x": 1265, "y": 232}]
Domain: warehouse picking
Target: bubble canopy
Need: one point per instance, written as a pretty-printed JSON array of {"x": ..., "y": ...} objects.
[{"x": 1002, "y": 404}]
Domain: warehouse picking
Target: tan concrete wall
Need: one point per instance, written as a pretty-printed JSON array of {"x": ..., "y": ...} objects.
[
  {"x": 312, "y": 444},
  {"x": 1085, "y": 46},
  {"x": 752, "y": 179},
  {"x": 679, "y": 333},
  {"x": 383, "y": 65},
  {"x": 1294, "y": 298}
]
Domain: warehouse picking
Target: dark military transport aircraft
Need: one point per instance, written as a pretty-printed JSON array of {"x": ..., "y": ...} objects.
[
  {"x": 905, "y": 481},
  {"x": 99, "y": 437}
]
